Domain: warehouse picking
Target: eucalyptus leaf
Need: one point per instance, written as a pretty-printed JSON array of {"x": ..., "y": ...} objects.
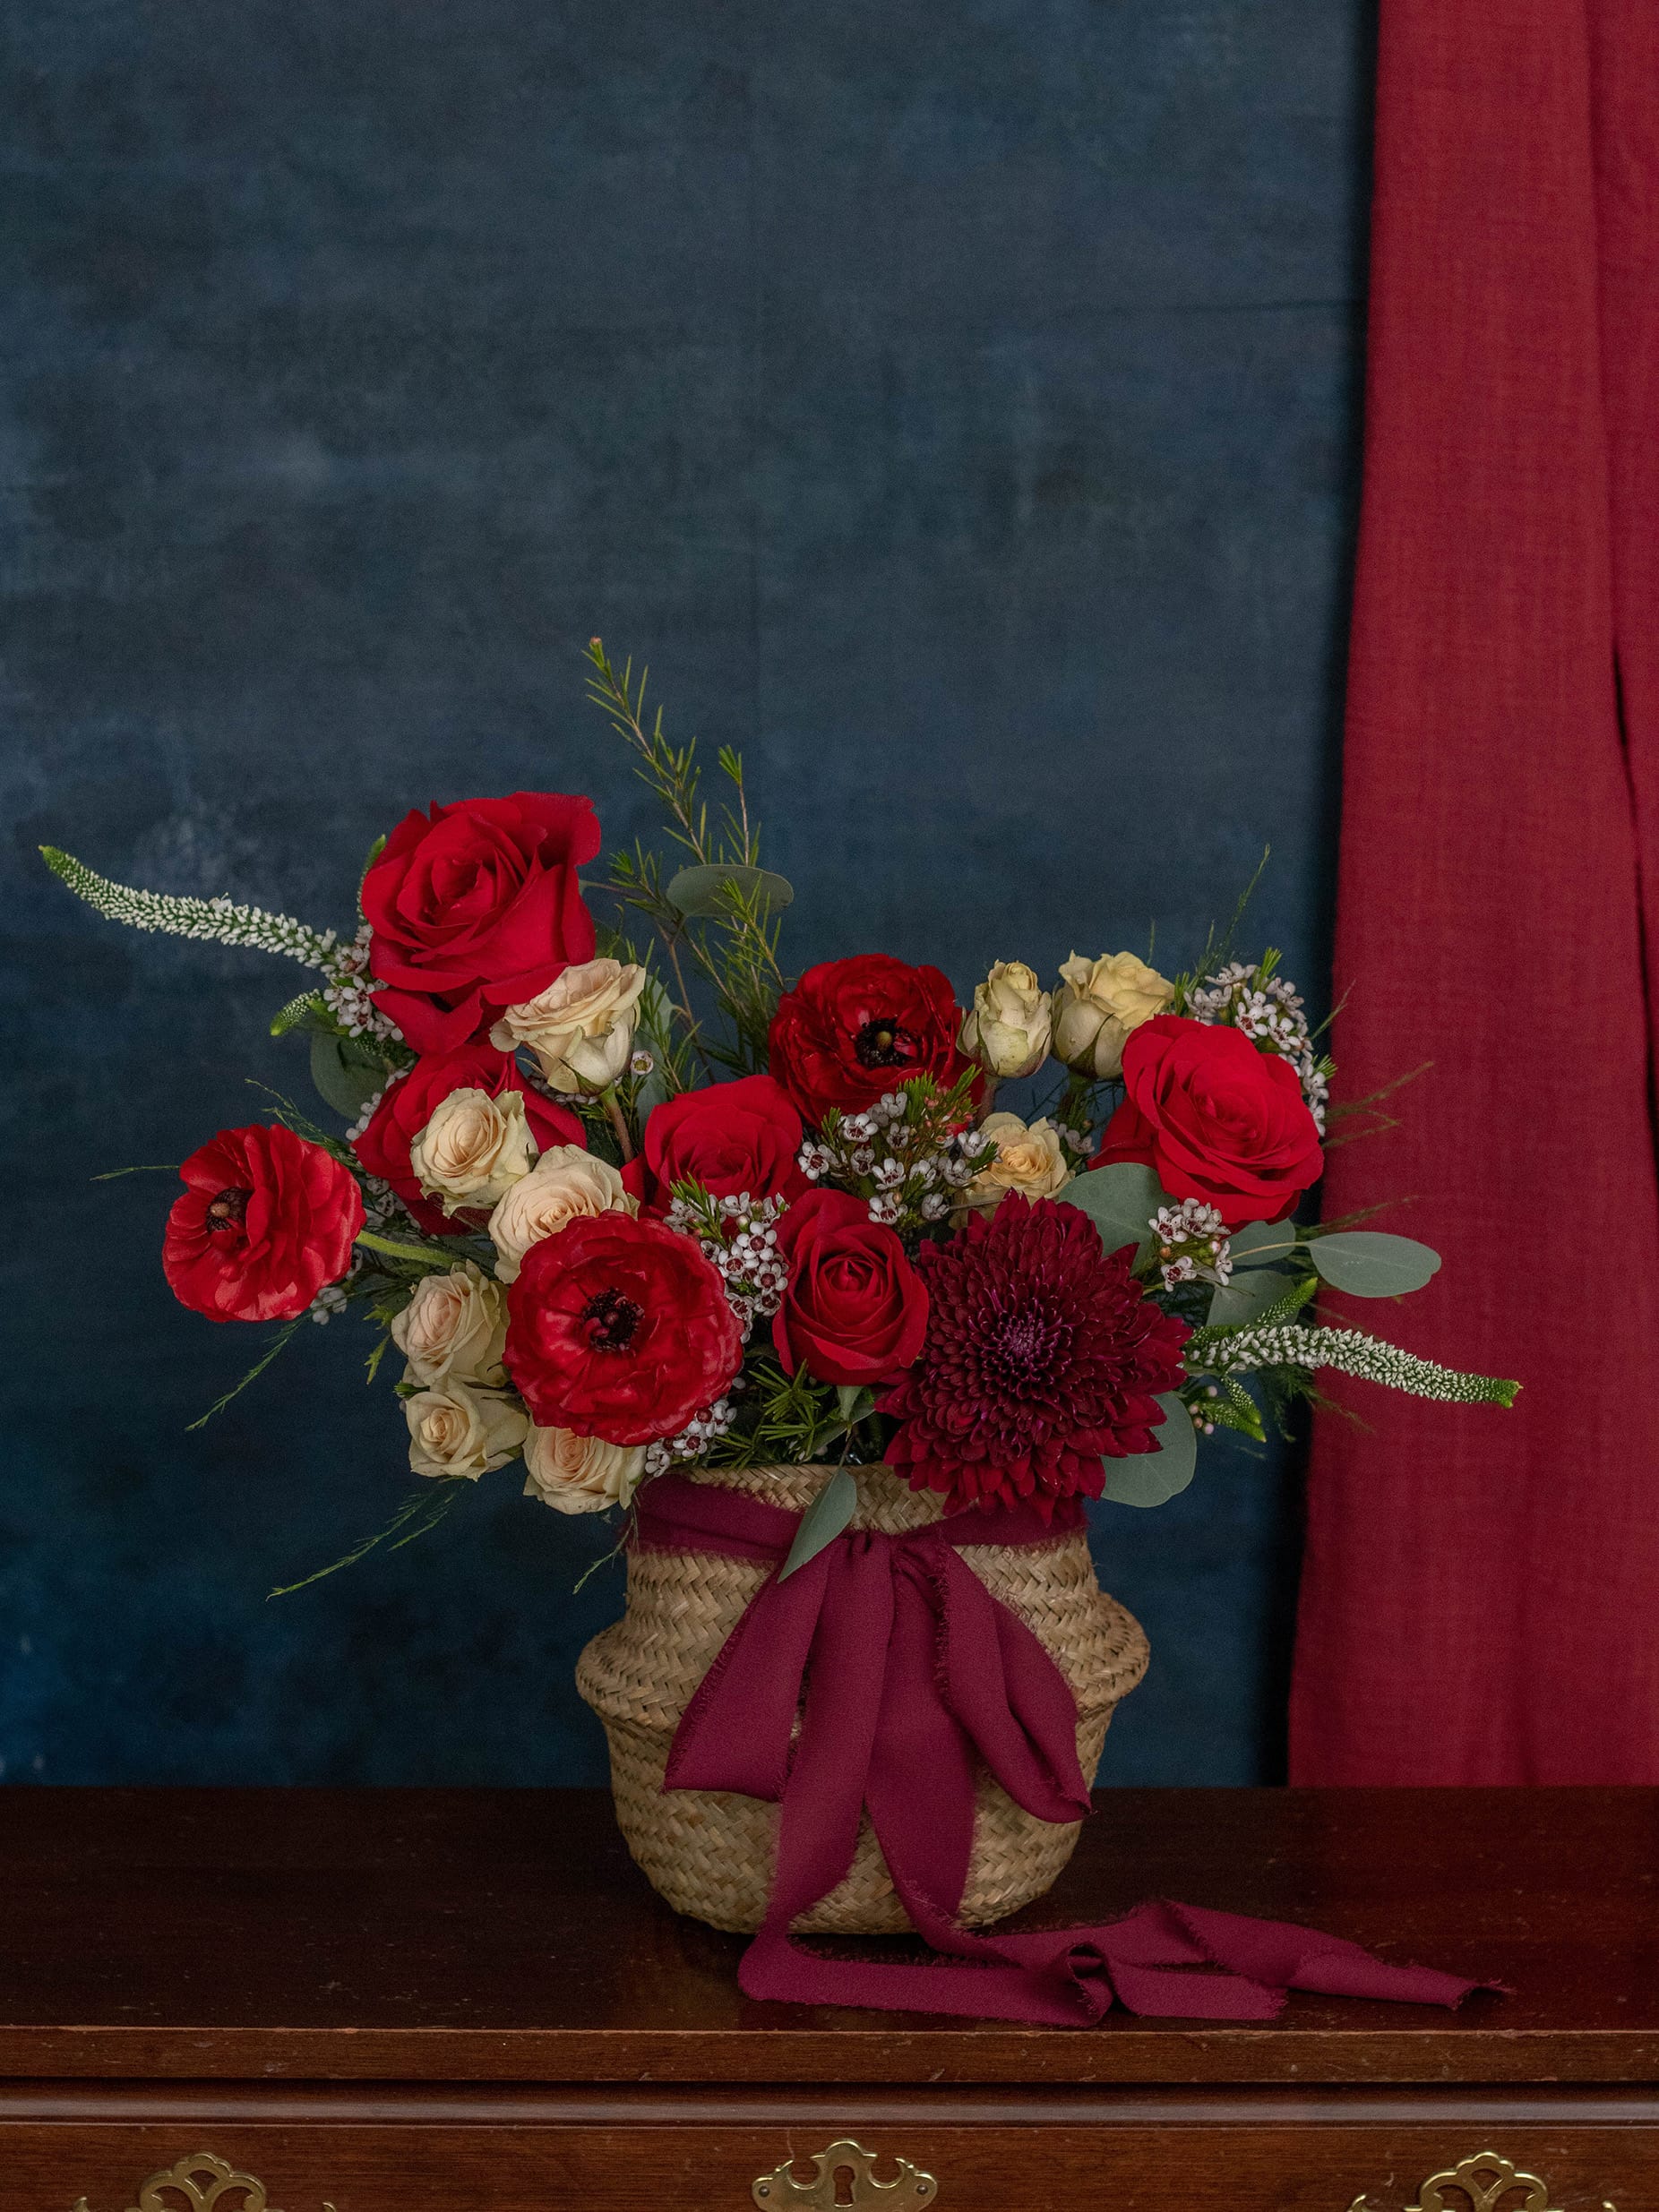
[
  {"x": 697, "y": 890},
  {"x": 1368, "y": 1263},
  {"x": 1120, "y": 1200},
  {"x": 822, "y": 1522},
  {"x": 1151, "y": 1478},
  {"x": 652, "y": 1093},
  {"x": 1263, "y": 1244},
  {"x": 1247, "y": 1296},
  {"x": 852, "y": 1401},
  {"x": 346, "y": 1075}
]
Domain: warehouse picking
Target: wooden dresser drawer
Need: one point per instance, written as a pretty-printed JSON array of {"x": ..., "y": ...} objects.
[
  {"x": 518, "y": 2152},
  {"x": 470, "y": 2001}
]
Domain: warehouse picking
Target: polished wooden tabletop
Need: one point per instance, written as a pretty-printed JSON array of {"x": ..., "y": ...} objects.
[{"x": 505, "y": 1936}]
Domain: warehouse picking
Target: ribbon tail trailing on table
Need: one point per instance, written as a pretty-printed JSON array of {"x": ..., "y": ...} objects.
[{"x": 913, "y": 1676}]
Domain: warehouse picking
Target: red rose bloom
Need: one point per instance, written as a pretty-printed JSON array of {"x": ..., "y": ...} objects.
[
  {"x": 1214, "y": 1119},
  {"x": 1042, "y": 1355},
  {"x": 852, "y": 1030},
  {"x": 411, "y": 1102},
  {"x": 265, "y": 1221},
  {"x": 737, "y": 1136},
  {"x": 855, "y": 1310},
  {"x": 619, "y": 1328},
  {"x": 476, "y": 906}
]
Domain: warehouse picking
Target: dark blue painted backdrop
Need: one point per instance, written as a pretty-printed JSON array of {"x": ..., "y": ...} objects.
[{"x": 954, "y": 400}]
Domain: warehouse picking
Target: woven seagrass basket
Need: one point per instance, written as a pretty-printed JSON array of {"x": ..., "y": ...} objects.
[{"x": 710, "y": 1852}]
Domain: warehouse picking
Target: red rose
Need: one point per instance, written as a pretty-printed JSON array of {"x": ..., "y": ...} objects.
[
  {"x": 852, "y": 1030},
  {"x": 1214, "y": 1119},
  {"x": 737, "y": 1136},
  {"x": 265, "y": 1221},
  {"x": 410, "y": 1100},
  {"x": 619, "y": 1328},
  {"x": 476, "y": 906},
  {"x": 855, "y": 1310}
]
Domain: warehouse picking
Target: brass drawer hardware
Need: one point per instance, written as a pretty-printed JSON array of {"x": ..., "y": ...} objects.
[
  {"x": 842, "y": 2177},
  {"x": 200, "y": 2182},
  {"x": 1483, "y": 2182}
]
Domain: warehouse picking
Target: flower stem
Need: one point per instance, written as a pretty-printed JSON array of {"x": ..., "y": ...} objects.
[
  {"x": 619, "y": 1121},
  {"x": 403, "y": 1251}
]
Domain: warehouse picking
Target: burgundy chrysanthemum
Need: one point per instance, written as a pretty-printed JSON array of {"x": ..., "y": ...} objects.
[{"x": 1042, "y": 1356}]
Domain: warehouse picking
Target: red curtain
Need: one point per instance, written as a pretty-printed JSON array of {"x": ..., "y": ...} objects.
[{"x": 1480, "y": 1594}]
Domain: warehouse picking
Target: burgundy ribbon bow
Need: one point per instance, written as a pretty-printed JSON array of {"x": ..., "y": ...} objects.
[{"x": 913, "y": 1673}]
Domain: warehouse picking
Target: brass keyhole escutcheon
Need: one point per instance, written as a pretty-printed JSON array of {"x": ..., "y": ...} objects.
[
  {"x": 1484, "y": 2183},
  {"x": 197, "y": 2183},
  {"x": 843, "y": 2180}
]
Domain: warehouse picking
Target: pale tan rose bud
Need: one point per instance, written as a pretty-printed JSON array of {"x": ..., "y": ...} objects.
[
  {"x": 565, "y": 1183},
  {"x": 1006, "y": 1028},
  {"x": 454, "y": 1329},
  {"x": 1098, "y": 1003},
  {"x": 1031, "y": 1160},
  {"x": 474, "y": 1149},
  {"x": 580, "y": 1474},
  {"x": 580, "y": 1028},
  {"x": 456, "y": 1431}
]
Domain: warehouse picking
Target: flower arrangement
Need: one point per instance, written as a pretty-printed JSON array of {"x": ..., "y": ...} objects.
[{"x": 625, "y": 1196}]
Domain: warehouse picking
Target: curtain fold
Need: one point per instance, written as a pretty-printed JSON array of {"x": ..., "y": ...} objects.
[{"x": 1479, "y": 1599}]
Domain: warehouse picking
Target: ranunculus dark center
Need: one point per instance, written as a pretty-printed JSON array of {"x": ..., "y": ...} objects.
[
  {"x": 884, "y": 1043},
  {"x": 611, "y": 1320},
  {"x": 228, "y": 1209}
]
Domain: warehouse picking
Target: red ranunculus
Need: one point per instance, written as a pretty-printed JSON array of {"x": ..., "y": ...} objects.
[
  {"x": 411, "y": 1102},
  {"x": 855, "y": 1310},
  {"x": 1043, "y": 1356},
  {"x": 619, "y": 1328},
  {"x": 265, "y": 1221},
  {"x": 1214, "y": 1119},
  {"x": 853, "y": 1030},
  {"x": 476, "y": 906},
  {"x": 737, "y": 1136}
]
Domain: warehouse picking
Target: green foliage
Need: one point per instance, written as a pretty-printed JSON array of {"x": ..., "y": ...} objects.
[
  {"x": 1366, "y": 1263},
  {"x": 696, "y": 891},
  {"x": 348, "y": 1072},
  {"x": 729, "y": 936},
  {"x": 1248, "y": 1296},
  {"x": 823, "y": 1521},
  {"x": 1120, "y": 1200},
  {"x": 1152, "y": 1478},
  {"x": 284, "y": 1337},
  {"x": 419, "y": 1513},
  {"x": 1263, "y": 1244},
  {"x": 1218, "y": 950},
  {"x": 779, "y": 1417}
]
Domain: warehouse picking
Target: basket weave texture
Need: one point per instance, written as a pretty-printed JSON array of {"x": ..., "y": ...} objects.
[{"x": 710, "y": 1852}]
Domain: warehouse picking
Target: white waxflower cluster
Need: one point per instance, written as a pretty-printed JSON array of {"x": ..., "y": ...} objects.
[
  {"x": 693, "y": 1440},
  {"x": 1192, "y": 1244},
  {"x": 738, "y": 1237},
  {"x": 330, "y": 1300},
  {"x": 349, "y": 993},
  {"x": 1270, "y": 1011},
  {"x": 886, "y": 1159},
  {"x": 370, "y": 1108},
  {"x": 1294, "y": 1344}
]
